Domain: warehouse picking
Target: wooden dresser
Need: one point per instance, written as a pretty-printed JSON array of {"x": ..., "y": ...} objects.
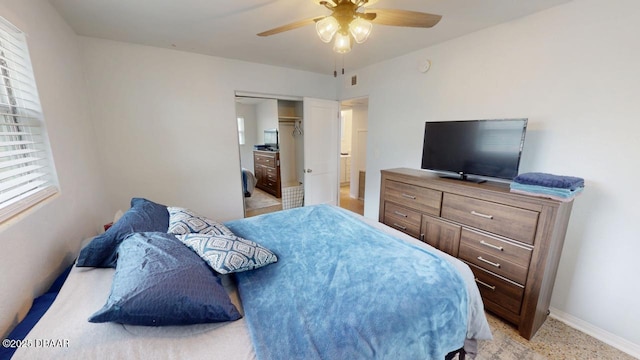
[
  {"x": 266, "y": 166},
  {"x": 511, "y": 242}
]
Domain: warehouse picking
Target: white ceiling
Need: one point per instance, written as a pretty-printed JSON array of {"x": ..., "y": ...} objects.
[{"x": 228, "y": 28}]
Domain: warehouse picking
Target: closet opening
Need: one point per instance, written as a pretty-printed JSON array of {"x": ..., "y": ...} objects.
[{"x": 271, "y": 142}]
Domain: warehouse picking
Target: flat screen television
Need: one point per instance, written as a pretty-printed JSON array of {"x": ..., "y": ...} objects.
[
  {"x": 271, "y": 139},
  {"x": 474, "y": 149}
]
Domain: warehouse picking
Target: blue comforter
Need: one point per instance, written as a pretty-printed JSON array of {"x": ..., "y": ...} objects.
[{"x": 344, "y": 290}]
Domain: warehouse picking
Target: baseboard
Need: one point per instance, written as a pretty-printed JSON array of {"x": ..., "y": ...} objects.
[{"x": 598, "y": 333}]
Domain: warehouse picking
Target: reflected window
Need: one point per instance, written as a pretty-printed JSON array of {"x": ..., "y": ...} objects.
[{"x": 241, "y": 137}]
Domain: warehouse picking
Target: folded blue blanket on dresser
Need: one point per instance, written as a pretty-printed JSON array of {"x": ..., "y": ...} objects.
[
  {"x": 536, "y": 189},
  {"x": 344, "y": 290},
  {"x": 550, "y": 180}
]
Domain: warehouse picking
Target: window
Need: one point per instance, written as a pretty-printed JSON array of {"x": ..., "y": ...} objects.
[
  {"x": 241, "y": 130},
  {"x": 27, "y": 175}
]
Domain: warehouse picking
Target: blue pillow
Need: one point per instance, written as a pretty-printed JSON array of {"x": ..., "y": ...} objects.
[
  {"x": 144, "y": 215},
  {"x": 159, "y": 281}
]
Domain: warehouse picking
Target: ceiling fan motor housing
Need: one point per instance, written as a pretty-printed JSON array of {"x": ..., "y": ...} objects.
[{"x": 346, "y": 11}]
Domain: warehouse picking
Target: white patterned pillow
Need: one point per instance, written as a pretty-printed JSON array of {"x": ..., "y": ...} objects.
[
  {"x": 183, "y": 221},
  {"x": 228, "y": 253}
]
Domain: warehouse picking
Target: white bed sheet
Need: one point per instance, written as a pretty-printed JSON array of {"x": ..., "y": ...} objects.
[{"x": 87, "y": 289}]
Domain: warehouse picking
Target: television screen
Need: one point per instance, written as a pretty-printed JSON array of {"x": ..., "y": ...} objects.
[
  {"x": 486, "y": 148},
  {"x": 271, "y": 138}
]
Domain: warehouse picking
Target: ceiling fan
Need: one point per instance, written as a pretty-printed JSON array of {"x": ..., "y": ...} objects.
[{"x": 350, "y": 19}]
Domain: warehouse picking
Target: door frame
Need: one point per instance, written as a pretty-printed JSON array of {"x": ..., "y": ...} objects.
[
  {"x": 351, "y": 103},
  {"x": 271, "y": 96}
]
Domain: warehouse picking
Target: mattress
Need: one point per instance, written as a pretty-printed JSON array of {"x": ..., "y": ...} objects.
[{"x": 69, "y": 335}]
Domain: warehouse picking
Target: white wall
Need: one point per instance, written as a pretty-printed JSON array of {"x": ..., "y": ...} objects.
[
  {"x": 346, "y": 130},
  {"x": 167, "y": 121},
  {"x": 37, "y": 245},
  {"x": 248, "y": 112},
  {"x": 574, "y": 72}
]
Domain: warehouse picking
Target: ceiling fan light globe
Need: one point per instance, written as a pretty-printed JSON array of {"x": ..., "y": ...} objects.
[
  {"x": 360, "y": 29},
  {"x": 326, "y": 28},
  {"x": 342, "y": 45}
]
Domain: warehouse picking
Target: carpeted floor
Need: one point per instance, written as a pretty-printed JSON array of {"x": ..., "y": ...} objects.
[
  {"x": 554, "y": 340},
  {"x": 261, "y": 202},
  {"x": 260, "y": 199}
]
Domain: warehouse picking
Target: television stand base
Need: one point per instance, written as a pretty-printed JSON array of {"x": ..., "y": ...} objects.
[{"x": 463, "y": 178}]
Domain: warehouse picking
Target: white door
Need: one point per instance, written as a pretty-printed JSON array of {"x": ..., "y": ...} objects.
[{"x": 321, "y": 151}]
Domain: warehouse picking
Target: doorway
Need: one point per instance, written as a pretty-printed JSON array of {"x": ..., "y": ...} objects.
[
  {"x": 303, "y": 169},
  {"x": 271, "y": 142},
  {"x": 254, "y": 116},
  {"x": 353, "y": 150}
]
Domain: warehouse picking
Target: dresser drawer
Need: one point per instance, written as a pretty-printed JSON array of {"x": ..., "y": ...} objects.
[
  {"x": 403, "y": 219},
  {"x": 265, "y": 160},
  {"x": 498, "y": 292},
  {"x": 272, "y": 174},
  {"x": 271, "y": 185},
  {"x": 415, "y": 197},
  {"x": 499, "y": 256},
  {"x": 512, "y": 222}
]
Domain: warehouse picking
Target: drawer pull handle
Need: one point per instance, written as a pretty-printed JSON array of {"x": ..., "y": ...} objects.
[
  {"x": 499, "y": 248},
  {"x": 493, "y": 288},
  {"x": 409, "y": 196},
  {"x": 400, "y": 226},
  {"x": 481, "y": 215},
  {"x": 488, "y": 262},
  {"x": 399, "y": 213}
]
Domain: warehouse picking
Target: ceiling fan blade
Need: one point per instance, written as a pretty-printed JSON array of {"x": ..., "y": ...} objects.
[
  {"x": 291, "y": 26},
  {"x": 407, "y": 18}
]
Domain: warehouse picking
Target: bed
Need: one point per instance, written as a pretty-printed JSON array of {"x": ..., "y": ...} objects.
[
  {"x": 326, "y": 293},
  {"x": 248, "y": 182}
]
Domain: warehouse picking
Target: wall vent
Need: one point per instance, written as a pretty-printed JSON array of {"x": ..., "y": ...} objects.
[{"x": 350, "y": 81}]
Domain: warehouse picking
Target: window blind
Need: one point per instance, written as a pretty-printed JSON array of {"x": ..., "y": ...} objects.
[{"x": 27, "y": 175}]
